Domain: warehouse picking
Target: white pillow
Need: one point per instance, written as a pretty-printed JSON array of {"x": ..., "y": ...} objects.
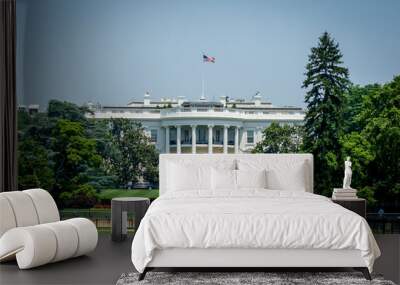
[
  {"x": 223, "y": 179},
  {"x": 283, "y": 173},
  {"x": 184, "y": 177},
  {"x": 291, "y": 179},
  {"x": 251, "y": 178}
]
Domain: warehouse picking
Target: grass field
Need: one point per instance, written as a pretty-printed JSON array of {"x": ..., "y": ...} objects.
[{"x": 108, "y": 194}]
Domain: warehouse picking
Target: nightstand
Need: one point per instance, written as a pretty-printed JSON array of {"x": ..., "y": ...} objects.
[
  {"x": 357, "y": 205},
  {"x": 119, "y": 214}
]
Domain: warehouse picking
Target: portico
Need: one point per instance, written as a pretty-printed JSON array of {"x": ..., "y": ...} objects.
[{"x": 198, "y": 138}]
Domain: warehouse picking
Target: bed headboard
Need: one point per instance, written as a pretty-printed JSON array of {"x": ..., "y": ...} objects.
[{"x": 212, "y": 159}]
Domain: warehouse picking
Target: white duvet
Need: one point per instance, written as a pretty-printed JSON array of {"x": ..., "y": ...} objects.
[{"x": 250, "y": 219}]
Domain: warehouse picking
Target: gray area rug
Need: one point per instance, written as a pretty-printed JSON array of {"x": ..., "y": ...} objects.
[{"x": 225, "y": 278}]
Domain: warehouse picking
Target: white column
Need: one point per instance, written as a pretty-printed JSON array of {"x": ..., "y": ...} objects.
[
  {"x": 259, "y": 134},
  {"x": 226, "y": 139},
  {"x": 178, "y": 139},
  {"x": 236, "y": 139},
  {"x": 193, "y": 138},
  {"x": 167, "y": 139},
  {"x": 210, "y": 139}
]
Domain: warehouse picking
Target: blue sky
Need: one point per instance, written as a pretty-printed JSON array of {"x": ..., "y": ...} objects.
[{"x": 111, "y": 51}]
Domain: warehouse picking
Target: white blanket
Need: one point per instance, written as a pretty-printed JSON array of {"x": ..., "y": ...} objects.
[{"x": 250, "y": 219}]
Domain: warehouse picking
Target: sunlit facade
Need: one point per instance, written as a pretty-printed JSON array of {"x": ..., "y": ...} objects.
[{"x": 181, "y": 126}]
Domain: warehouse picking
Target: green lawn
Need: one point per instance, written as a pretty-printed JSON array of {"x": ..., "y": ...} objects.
[
  {"x": 102, "y": 216},
  {"x": 108, "y": 194}
]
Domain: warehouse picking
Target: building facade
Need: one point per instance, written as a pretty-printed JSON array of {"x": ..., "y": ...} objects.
[{"x": 181, "y": 126}]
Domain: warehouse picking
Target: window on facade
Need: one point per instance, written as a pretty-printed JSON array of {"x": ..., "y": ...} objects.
[
  {"x": 153, "y": 136},
  {"x": 217, "y": 135},
  {"x": 250, "y": 136},
  {"x": 186, "y": 136},
  {"x": 202, "y": 136}
]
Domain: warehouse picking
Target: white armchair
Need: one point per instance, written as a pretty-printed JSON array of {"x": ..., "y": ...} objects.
[{"x": 31, "y": 230}]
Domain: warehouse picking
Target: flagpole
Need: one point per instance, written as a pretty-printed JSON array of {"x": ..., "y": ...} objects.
[
  {"x": 202, "y": 81},
  {"x": 202, "y": 85}
]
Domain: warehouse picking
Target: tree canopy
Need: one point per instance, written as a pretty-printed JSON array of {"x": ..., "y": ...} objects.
[
  {"x": 280, "y": 139},
  {"x": 69, "y": 155},
  {"x": 373, "y": 141},
  {"x": 130, "y": 155}
]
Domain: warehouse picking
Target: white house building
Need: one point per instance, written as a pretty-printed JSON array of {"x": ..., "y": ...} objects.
[{"x": 181, "y": 126}]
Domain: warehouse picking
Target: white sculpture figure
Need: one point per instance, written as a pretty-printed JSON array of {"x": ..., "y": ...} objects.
[{"x": 347, "y": 174}]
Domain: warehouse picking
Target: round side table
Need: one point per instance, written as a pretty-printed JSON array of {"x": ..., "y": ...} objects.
[{"x": 119, "y": 214}]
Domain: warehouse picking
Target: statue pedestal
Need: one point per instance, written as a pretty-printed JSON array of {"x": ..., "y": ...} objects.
[{"x": 344, "y": 194}]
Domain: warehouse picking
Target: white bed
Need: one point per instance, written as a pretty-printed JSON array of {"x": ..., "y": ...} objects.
[{"x": 223, "y": 217}]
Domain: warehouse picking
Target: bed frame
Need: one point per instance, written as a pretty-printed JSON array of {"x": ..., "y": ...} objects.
[
  {"x": 260, "y": 259},
  {"x": 246, "y": 259}
]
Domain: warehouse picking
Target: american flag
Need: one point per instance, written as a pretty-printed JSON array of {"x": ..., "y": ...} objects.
[{"x": 208, "y": 58}]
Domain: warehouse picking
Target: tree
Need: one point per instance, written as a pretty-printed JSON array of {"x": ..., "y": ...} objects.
[
  {"x": 74, "y": 155},
  {"x": 359, "y": 148},
  {"x": 66, "y": 110},
  {"x": 101, "y": 177},
  {"x": 35, "y": 167},
  {"x": 354, "y": 142},
  {"x": 130, "y": 154},
  {"x": 83, "y": 196},
  {"x": 57, "y": 152},
  {"x": 326, "y": 83},
  {"x": 381, "y": 117},
  {"x": 354, "y": 105},
  {"x": 280, "y": 139},
  {"x": 373, "y": 142}
]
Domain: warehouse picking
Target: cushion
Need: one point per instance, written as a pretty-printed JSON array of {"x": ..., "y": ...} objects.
[
  {"x": 87, "y": 235},
  {"x": 224, "y": 163},
  {"x": 26, "y": 208},
  {"x": 223, "y": 179},
  {"x": 282, "y": 174},
  {"x": 7, "y": 218},
  {"x": 188, "y": 177},
  {"x": 23, "y": 208},
  {"x": 251, "y": 178},
  {"x": 67, "y": 240},
  {"x": 45, "y": 206},
  {"x": 32, "y": 246},
  {"x": 41, "y": 244},
  {"x": 292, "y": 179}
]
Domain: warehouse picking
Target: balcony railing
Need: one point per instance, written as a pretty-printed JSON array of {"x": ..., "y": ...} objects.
[
  {"x": 384, "y": 224},
  {"x": 226, "y": 112},
  {"x": 215, "y": 142},
  {"x": 380, "y": 224},
  {"x": 187, "y": 112}
]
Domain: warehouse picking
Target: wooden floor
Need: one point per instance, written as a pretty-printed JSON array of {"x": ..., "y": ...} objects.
[{"x": 111, "y": 259}]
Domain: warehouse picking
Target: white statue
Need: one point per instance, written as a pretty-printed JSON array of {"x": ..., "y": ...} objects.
[{"x": 347, "y": 174}]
